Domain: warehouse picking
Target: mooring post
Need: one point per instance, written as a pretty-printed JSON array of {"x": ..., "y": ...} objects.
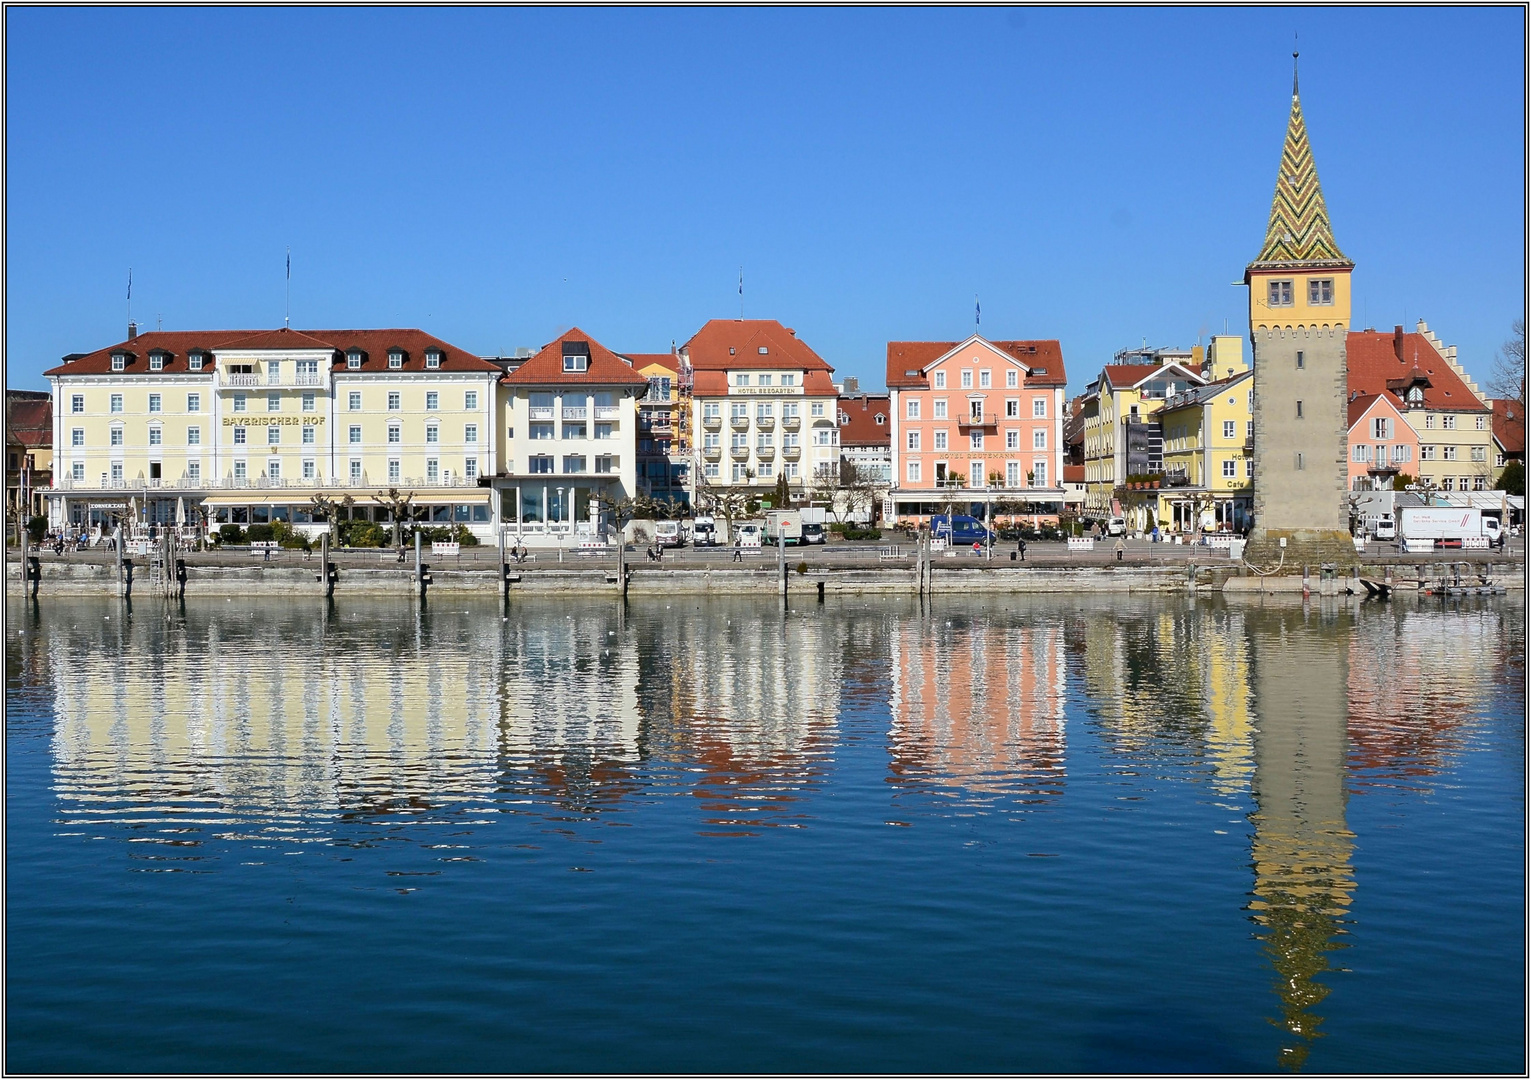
[
  {"x": 422, "y": 575},
  {"x": 781, "y": 560}
]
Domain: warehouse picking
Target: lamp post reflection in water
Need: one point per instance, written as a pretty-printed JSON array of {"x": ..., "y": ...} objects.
[{"x": 1301, "y": 850}]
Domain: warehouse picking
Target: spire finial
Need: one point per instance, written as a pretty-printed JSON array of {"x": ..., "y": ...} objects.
[{"x": 1294, "y": 65}]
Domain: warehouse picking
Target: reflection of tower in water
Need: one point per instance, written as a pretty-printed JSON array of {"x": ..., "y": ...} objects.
[{"x": 1301, "y": 850}]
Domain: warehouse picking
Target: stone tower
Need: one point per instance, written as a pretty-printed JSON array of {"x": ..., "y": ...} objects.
[{"x": 1299, "y": 312}]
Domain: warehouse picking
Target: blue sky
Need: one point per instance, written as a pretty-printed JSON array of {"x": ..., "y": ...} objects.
[{"x": 495, "y": 175}]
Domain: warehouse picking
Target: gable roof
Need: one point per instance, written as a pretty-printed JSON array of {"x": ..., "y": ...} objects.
[
  {"x": 1125, "y": 376},
  {"x": 1361, "y": 404},
  {"x": 29, "y": 420},
  {"x": 1379, "y": 362},
  {"x": 545, "y": 368},
  {"x": 708, "y": 349},
  {"x": 669, "y": 361},
  {"x": 177, "y": 344},
  {"x": 1510, "y": 425},
  {"x": 861, "y": 427},
  {"x": 1042, "y": 358}
]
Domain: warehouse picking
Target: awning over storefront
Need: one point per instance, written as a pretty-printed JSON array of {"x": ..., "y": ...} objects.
[{"x": 269, "y": 497}]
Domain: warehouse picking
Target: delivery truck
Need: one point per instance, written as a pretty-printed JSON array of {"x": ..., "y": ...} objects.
[
  {"x": 787, "y": 525},
  {"x": 1424, "y": 528}
]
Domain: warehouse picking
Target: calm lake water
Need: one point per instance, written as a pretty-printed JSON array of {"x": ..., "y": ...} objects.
[{"x": 990, "y": 834}]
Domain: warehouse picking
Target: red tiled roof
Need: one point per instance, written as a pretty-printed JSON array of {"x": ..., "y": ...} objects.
[
  {"x": 861, "y": 427},
  {"x": 546, "y": 368},
  {"x": 709, "y": 384},
  {"x": 1122, "y": 375},
  {"x": 29, "y": 422},
  {"x": 907, "y": 356},
  {"x": 1073, "y": 474},
  {"x": 176, "y": 344},
  {"x": 1510, "y": 426},
  {"x": 1356, "y": 408},
  {"x": 669, "y": 361},
  {"x": 708, "y": 349},
  {"x": 1377, "y": 359}
]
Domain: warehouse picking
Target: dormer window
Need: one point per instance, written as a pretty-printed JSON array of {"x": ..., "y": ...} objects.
[
  {"x": 880, "y": 419},
  {"x": 575, "y": 362},
  {"x": 353, "y": 359},
  {"x": 764, "y": 351},
  {"x": 156, "y": 361},
  {"x": 119, "y": 361},
  {"x": 194, "y": 361},
  {"x": 395, "y": 359},
  {"x": 433, "y": 359}
]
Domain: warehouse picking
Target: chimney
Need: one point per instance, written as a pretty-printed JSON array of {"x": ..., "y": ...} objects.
[
  {"x": 132, "y": 330},
  {"x": 852, "y": 383},
  {"x": 792, "y": 331},
  {"x": 1398, "y": 343}
]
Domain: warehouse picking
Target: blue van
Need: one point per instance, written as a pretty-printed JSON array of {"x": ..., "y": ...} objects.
[{"x": 959, "y": 529}]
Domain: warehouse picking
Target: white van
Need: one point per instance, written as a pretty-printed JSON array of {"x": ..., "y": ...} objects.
[
  {"x": 1117, "y": 526},
  {"x": 669, "y": 534},
  {"x": 749, "y": 534},
  {"x": 1385, "y": 528}
]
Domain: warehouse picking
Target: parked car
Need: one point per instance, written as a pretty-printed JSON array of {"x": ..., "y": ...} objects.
[
  {"x": 813, "y": 532},
  {"x": 959, "y": 529},
  {"x": 1116, "y": 526}
]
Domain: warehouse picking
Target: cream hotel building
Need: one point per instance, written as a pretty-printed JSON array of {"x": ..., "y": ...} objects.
[{"x": 252, "y": 424}]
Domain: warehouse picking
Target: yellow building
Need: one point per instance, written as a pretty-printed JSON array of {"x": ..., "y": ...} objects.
[
  {"x": 1122, "y": 437},
  {"x": 1208, "y": 434},
  {"x": 250, "y": 425}
]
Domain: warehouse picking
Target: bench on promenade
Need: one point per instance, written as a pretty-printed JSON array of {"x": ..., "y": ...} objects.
[{"x": 261, "y": 547}]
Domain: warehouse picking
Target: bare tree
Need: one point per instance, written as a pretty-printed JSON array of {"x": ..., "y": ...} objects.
[
  {"x": 824, "y": 488},
  {"x": 725, "y": 503},
  {"x": 322, "y": 507},
  {"x": 400, "y": 508},
  {"x": 859, "y": 489},
  {"x": 620, "y": 510},
  {"x": 1508, "y": 377}
]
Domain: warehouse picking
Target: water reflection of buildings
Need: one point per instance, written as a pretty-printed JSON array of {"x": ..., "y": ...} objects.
[
  {"x": 977, "y": 703},
  {"x": 1173, "y": 680},
  {"x": 1301, "y": 847},
  {"x": 568, "y": 710},
  {"x": 1417, "y": 677},
  {"x": 744, "y": 701}
]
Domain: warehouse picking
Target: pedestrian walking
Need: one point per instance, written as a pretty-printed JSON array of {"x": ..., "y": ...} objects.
[
  {"x": 1020, "y": 547},
  {"x": 1120, "y": 547},
  {"x": 738, "y": 551}
]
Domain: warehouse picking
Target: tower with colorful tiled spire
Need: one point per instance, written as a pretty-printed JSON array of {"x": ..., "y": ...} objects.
[{"x": 1299, "y": 312}]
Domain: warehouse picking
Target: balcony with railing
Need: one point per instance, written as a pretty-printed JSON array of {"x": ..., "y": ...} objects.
[
  {"x": 765, "y": 423},
  {"x": 740, "y": 422},
  {"x": 712, "y": 453},
  {"x": 607, "y": 412},
  {"x": 713, "y": 422},
  {"x": 574, "y": 412},
  {"x": 979, "y": 420},
  {"x": 740, "y": 450},
  {"x": 765, "y": 451},
  {"x": 540, "y": 412},
  {"x": 791, "y": 423},
  {"x": 792, "y": 452}
]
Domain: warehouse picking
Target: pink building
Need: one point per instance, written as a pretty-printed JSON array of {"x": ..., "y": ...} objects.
[
  {"x": 1382, "y": 443},
  {"x": 983, "y": 418}
]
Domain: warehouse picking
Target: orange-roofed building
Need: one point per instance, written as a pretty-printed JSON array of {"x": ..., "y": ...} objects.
[
  {"x": 980, "y": 417},
  {"x": 1423, "y": 381},
  {"x": 1509, "y": 433},
  {"x": 569, "y": 426},
  {"x": 1382, "y": 444},
  {"x": 763, "y": 405}
]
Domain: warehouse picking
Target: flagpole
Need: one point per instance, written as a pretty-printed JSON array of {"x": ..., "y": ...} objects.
[{"x": 287, "y": 317}]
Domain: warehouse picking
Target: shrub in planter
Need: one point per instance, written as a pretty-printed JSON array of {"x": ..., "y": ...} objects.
[
  {"x": 231, "y": 534},
  {"x": 260, "y": 533},
  {"x": 464, "y": 536}
]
